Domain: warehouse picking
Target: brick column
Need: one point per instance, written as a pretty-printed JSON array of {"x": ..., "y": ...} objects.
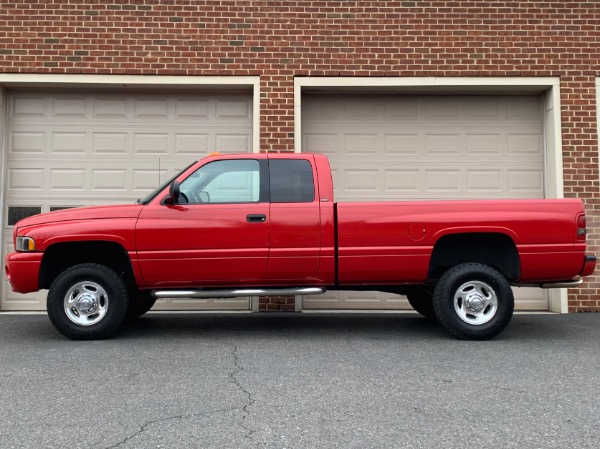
[
  {"x": 277, "y": 112},
  {"x": 277, "y": 135},
  {"x": 581, "y": 177}
]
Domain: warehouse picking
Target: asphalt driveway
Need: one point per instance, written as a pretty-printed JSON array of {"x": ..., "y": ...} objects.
[{"x": 300, "y": 381}]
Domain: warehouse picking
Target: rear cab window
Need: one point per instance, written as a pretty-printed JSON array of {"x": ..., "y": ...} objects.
[{"x": 291, "y": 181}]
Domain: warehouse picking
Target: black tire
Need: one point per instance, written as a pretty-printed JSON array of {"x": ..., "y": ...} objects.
[
  {"x": 87, "y": 302},
  {"x": 421, "y": 299},
  {"x": 140, "y": 302},
  {"x": 473, "y": 301}
]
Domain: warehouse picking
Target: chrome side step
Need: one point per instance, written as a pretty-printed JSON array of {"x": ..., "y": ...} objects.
[{"x": 234, "y": 293}]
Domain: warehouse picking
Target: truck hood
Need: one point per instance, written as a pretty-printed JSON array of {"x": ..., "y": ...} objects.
[{"x": 83, "y": 213}]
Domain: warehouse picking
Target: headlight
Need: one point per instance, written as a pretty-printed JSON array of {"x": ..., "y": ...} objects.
[{"x": 24, "y": 244}]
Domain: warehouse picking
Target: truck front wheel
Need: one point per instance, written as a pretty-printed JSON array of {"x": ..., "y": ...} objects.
[
  {"x": 473, "y": 301},
  {"x": 87, "y": 302}
]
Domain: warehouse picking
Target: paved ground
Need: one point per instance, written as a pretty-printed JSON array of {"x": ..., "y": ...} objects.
[{"x": 300, "y": 381}]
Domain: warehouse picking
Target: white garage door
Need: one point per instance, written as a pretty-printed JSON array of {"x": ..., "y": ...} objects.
[
  {"x": 70, "y": 149},
  {"x": 426, "y": 147}
]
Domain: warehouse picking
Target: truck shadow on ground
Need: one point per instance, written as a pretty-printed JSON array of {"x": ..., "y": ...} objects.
[
  {"x": 281, "y": 325},
  {"x": 403, "y": 326}
]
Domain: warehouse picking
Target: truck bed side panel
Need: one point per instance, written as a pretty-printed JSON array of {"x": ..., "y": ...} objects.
[{"x": 392, "y": 242}]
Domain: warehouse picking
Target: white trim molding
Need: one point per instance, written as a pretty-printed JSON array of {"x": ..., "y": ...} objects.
[
  {"x": 3, "y": 171},
  {"x": 548, "y": 87}
]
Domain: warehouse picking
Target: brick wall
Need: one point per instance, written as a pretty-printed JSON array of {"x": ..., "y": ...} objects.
[{"x": 282, "y": 39}]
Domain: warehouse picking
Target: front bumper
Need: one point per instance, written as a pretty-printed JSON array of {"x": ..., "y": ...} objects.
[{"x": 23, "y": 271}]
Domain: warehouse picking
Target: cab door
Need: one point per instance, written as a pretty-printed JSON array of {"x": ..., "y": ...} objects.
[
  {"x": 295, "y": 243},
  {"x": 216, "y": 234}
]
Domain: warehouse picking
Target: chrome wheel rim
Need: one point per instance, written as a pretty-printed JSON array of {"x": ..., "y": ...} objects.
[
  {"x": 475, "y": 302},
  {"x": 86, "y": 303}
]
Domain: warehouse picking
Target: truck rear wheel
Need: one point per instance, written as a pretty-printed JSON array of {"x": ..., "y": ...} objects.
[
  {"x": 87, "y": 302},
  {"x": 473, "y": 301}
]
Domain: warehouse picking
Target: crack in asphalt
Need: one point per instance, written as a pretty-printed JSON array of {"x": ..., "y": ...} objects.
[
  {"x": 246, "y": 413},
  {"x": 238, "y": 368},
  {"x": 168, "y": 418}
]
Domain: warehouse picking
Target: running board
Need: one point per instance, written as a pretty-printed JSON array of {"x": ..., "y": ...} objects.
[{"x": 235, "y": 293}]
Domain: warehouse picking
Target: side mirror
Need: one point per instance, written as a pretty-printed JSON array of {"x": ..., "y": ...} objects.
[{"x": 174, "y": 192}]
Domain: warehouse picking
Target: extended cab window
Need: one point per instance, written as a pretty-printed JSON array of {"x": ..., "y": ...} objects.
[
  {"x": 228, "y": 181},
  {"x": 291, "y": 181}
]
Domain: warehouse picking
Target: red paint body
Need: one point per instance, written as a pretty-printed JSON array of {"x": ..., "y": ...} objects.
[{"x": 378, "y": 243}]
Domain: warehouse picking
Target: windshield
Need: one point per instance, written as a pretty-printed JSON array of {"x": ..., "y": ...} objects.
[{"x": 159, "y": 189}]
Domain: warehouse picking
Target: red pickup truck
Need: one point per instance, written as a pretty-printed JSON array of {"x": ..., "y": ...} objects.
[{"x": 266, "y": 224}]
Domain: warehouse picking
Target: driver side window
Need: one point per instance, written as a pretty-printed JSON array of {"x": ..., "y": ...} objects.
[{"x": 227, "y": 181}]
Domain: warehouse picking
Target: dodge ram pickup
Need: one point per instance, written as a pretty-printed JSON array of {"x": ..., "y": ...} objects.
[{"x": 267, "y": 224}]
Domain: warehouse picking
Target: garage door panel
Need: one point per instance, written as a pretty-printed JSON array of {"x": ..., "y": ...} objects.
[
  {"x": 74, "y": 107},
  {"x": 115, "y": 107},
  {"x": 69, "y": 149},
  {"x": 110, "y": 143},
  {"x": 26, "y": 179},
  {"x": 323, "y": 141},
  {"x": 63, "y": 179},
  {"x": 196, "y": 109},
  {"x": 526, "y": 182},
  {"x": 155, "y": 108},
  {"x": 27, "y": 143},
  {"x": 228, "y": 143},
  {"x": 486, "y": 144},
  {"x": 191, "y": 144},
  {"x": 232, "y": 109},
  {"x": 151, "y": 144},
  {"x": 522, "y": 108},
  {"x": 484, "y": 108},
  {"x": 361, "y": 144},
  {"x": 110, "y": 180},
  {"x": 399, "y": 182},
  {"x": 485, "y": 181},
  {"x": 401, "y": 144},
  {"x": 443, "y": 144},
  {"x": 29, "y": 106},
  {"x": 68, "y": 143},
  {"x": 398, "y": 147},
  {"x": 145, "y": 180},
  {"x": 403, "y": 112},
  {"x": 525, "y": 144}
]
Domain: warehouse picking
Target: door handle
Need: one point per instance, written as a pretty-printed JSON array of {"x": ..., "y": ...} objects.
[{"x": 256, "y": 218}]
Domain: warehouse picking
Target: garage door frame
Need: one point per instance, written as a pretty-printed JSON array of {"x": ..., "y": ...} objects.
[
  {"x": 129, "y": 83},
  {"x": 548, "y": 87}
]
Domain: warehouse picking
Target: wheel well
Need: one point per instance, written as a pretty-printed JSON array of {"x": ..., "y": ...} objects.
[
  {"x": 496, "y": 250},
  {"x": 61, "y": 256}
]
